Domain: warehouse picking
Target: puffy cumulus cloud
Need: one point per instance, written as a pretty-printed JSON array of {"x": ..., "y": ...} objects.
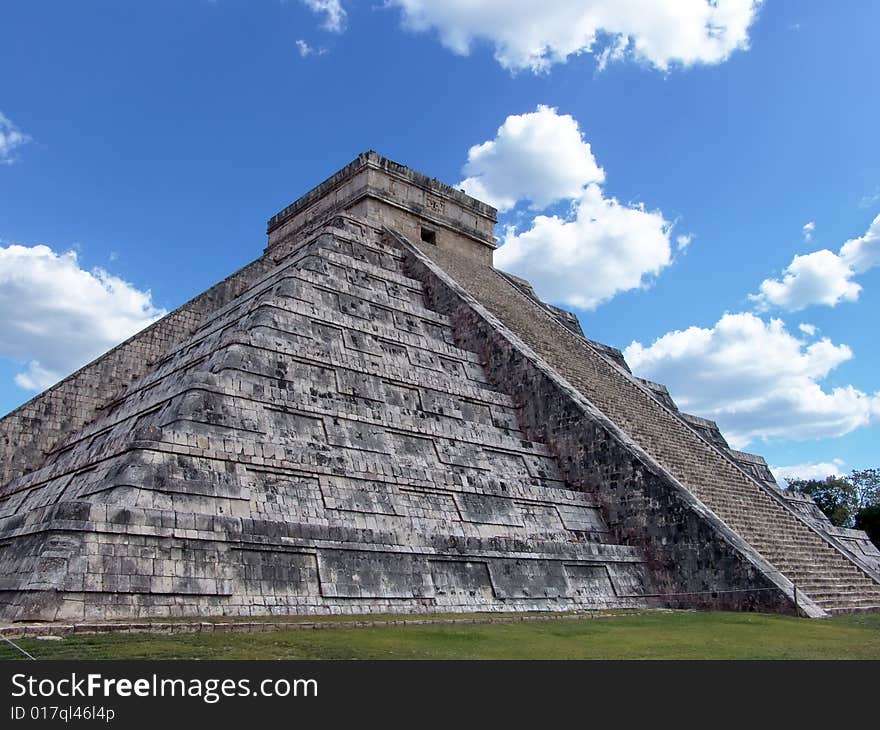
[
  {"x": 808, "y": 329},
  {"x": 604, "y": 247},
  {"x": 57, "y": 316},
  {"x": 600, "y": 247},
  {"x": 333, "y": 12},
  {"x": 863, "y": 253},
  {"x": 11, "y": 138},
  {"x": 811, "y": 470},
  {"x": 756, "y": 380},
  {"x": 534, "y": 36},
  {"x": 540, "y": 156},
  {"x": 822, "y": 277}
]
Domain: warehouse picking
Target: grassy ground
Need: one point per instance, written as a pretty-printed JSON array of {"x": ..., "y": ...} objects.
[{"x": 664, "y": 635}]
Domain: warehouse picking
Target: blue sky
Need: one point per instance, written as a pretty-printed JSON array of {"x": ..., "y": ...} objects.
[{"x": 154, "y": 140}]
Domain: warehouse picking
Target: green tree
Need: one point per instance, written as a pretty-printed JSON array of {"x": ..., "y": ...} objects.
[
  {"x": 866, "y": 485},
  {"x": 835, "y": 496},
  {"x": 868, "y": 519},
  {"x": 848, "y": 501}
]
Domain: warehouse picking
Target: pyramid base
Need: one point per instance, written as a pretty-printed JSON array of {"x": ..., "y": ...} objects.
[{"x": 232, "y": 567}]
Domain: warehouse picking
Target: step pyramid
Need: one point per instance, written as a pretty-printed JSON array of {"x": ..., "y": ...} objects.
[{"x": 370, "y": 418}]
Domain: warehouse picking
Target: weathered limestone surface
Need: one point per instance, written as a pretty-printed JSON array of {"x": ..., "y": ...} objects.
[
  {"x": 371, "y": 184},
  {"x": 855, "y": 543},
  {"x": 387, "y": 193},
  {"x": 318, "y": 444},
  {"x": 370, "y": 418},
  {"x": 694, "y": 559},
  {"x": 32, "y": 430},
  {"x": 785, "y": 547}
]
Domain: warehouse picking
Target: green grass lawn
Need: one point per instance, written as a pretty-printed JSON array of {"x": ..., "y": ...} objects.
[{"x": 662, "y": 635}]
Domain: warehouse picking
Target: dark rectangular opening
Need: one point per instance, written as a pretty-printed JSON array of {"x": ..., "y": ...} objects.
[{"x": 429, "y": 236}]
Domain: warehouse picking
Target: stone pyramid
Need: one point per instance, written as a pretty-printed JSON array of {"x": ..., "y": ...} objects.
[{"x": 371, "y": 418}]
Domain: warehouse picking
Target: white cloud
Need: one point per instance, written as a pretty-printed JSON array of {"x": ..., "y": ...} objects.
[
  {"x": 822, "y": 277},
  {"x": 57, "y": 316},
  {"x": 305, "y": 50},
  {"x": 36, "y": 377},
  {"x": 811, "y": 470},
  {"x": 683, "y": 241},
  {"x": 534, "y": 36},
  {"x": 808, "y": 329},
  {"x": 604, "y": 247},
  {"x": 756, "y": 380},
  {"x": 11, "y": 138},
  {"x": 808, "y": 229},
  {"x": 863, "y": 253},
  {"x": 601, "y": 247},
  {"x": 540, "y": 156},
  {"x": 615, "y": 51},
  {"x": 333, "y": 12}
]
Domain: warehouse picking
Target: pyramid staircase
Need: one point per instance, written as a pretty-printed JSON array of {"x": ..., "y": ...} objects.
[
  {"x": 828, "y": 576},
  {"x": 370, "y": 418}
]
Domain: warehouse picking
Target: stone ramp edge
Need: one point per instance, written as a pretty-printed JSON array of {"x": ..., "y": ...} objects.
[
  {"x": 593, "y": 414},
  {"x": 727, "y": 455}
]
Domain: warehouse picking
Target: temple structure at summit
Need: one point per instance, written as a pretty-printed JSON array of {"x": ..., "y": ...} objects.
[{"x": 371, "y": 418}]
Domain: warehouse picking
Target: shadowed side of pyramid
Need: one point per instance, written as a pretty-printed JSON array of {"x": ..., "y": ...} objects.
[{"x": 644, "y": 460}]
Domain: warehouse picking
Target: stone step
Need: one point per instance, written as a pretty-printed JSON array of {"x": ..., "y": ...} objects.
[
  {"x": 847, "y": 601},
  {"x": 839, "y": 593},
  {"x": 820, "y": 581},
  {"x": 797, "y": 571},
  {"x": 852, "y": 609},
  {"x": 793, "y": 560}
]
